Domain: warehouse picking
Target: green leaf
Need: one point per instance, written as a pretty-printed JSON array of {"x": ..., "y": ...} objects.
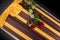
[
  {"x": 30, "y": 10},
  {"x": 32, "y": 2},
  {"x": 29, "y": 22},
  {"x": 30, "y": 6},
  {"x": 36, "y": 21},
  {"x": 37, "y": 16},
  {"x": 41, "y": 16},
  {"x": 33, "y": 7}
]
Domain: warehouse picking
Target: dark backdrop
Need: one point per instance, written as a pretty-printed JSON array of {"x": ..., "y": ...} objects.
[{"x": 52, "y": 5}]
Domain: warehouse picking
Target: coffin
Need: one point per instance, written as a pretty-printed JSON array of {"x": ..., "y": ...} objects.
[{"x": 14, "y": 18}]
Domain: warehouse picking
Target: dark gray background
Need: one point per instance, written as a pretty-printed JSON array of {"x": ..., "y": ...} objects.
[
  {"x": 4, "y": 4},
  {"x": 52, "y": 6}
]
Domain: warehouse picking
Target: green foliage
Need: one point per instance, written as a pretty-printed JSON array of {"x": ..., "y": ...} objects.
[
  {"x": 30, "y": 6},
  {"x": 37, "y": 16},
  {"x": 29, "y": 22},
  {"x": 36, "y": 21},
  {"x": 30, "y": 10},
  {"x": 41, "y": 16},
  {"x": 34, "y": 3}
]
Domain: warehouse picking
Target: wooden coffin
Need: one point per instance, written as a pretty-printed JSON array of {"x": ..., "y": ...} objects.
[{"x": 13, "y": 21}]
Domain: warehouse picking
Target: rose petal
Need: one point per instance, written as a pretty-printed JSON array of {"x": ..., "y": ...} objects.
[
  {"x": 41, "y": 24},
  {"x": 32, "y": 26}
]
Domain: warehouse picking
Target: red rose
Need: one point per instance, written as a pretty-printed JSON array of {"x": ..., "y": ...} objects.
[
  {"x": 41, "y": 24},
  {"x": 32, "y": 26}
]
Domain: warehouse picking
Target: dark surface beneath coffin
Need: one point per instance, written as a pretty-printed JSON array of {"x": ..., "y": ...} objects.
[
  {"x": 4, "y": 4},
  {"x": 24, "y": 28},
  {"x": 5, "y": 36}
]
